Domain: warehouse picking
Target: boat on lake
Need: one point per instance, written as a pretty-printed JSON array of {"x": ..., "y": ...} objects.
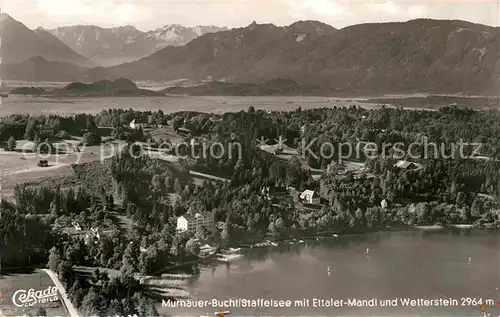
[{"x": 227, "y": 258}]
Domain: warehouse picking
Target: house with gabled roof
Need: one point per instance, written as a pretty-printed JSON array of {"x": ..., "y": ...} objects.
[
  {"x": 136, "y": 124},
  {"x": 310, "y": 197},
  {"x": 407, "y": 165}
]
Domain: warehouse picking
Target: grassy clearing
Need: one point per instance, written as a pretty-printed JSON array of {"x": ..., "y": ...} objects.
[
  {"x": 166, "y": 132},
  {"x": 46, "y": 176},
  {"x": 20, "y": 166},
  {"x": 38, "y": 280}
]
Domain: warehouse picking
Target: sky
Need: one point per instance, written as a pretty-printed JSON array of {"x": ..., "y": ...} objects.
[{"x": 151, "y": 14}]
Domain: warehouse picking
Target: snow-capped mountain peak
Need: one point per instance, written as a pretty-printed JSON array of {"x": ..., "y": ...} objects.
[{"x": 111, "y": 46}]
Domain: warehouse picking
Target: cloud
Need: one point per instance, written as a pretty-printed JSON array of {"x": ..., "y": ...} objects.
[
  {"x": 64, "y": 8},
  {"x": 152, "y": 14},
  {"x": 326, "y": 7},
  {"x": 127, "y": 13},
  {"x": 418, "y": 11},
  {"x": 387, "y": 7},
  {"x": 101, "y": 12},
  {"x": 320, "y": 10}
]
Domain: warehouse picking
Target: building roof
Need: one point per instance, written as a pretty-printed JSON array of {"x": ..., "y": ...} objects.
[
  {"x": 136, "y": 122},
  {"x": 406, "y": 164},
  {"x": 307, "y": 193},
  {"x": 190, "y": 217}
]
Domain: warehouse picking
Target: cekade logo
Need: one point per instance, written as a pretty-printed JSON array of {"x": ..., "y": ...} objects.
[{"x": 28, "y": 298}]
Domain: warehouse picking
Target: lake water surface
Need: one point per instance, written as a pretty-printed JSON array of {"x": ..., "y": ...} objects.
[{"x": 410, "y": 264}]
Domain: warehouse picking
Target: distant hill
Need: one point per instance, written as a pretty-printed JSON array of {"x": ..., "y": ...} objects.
[
  {"x": 279, "y": 86},
  {"x": 20, "y": 43},
  {"x": 420, "y": 55},
  {"x": 113, "y": 46},
  {"x": 39, "y": 69},
  {"x": 104, "y": 88}
]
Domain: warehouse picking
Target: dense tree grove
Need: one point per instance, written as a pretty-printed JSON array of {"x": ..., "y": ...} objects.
[
  {"x": 54, "y": 127},
  {"x": 135, "y": 200},
  {"x": 99, "y": 295},
  {"x": 24, "y": 238},
  {"x": 451, "y": 189}
]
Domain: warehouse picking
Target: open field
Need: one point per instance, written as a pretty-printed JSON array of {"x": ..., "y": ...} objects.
[
  {"x": 17, "y": 104},
  {"x": 24, "y": 160},
  {"x": 38, "y": 280},
  {"x": 9, "y": 181},
  {"x": 166, "y": 132},
  {"x": 290, "y": 152},
  {"x": 19, "y": 167}
]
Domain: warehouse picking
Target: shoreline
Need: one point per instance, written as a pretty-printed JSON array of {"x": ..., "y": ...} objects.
[
  {"x": 299, "y": 239},
  {"x": 440, "y": 227},
  {"x": 334, "y": 234}
]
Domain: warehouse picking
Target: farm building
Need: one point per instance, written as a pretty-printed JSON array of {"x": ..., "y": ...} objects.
[{"x": 309, "y": 197}]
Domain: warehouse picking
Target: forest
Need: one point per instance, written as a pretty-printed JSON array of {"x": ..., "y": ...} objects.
[{"x": 444, "y": 191}]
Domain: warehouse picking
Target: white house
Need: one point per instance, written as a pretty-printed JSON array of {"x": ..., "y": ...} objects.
[
  {"x": 95, "y": 232},
  {"x": 77, "y": 226},
  {"x": 190, "y": 224},
  {"x": 309, "y": 197},
  {"x": 137, "y": 125},
  {"x": 407, "y": 165},
  {"x": 384, "y": 204},
  {"x": 303, "y": 129}
]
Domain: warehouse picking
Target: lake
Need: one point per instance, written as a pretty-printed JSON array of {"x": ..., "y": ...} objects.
[
  {"x": 18, "y": 104},
  {"x": 428, "y": 264}
]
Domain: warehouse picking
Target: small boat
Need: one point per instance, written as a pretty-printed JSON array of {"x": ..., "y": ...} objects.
[{"x": 229, "y": 258}]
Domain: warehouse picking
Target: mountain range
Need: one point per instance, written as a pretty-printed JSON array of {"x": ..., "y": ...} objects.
[
  {"x": 422, "y": 55},
  {"x": 113, "y": 46},
  {"x": 20, "y": 43},
  {"x": 444, "y": 56}
]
